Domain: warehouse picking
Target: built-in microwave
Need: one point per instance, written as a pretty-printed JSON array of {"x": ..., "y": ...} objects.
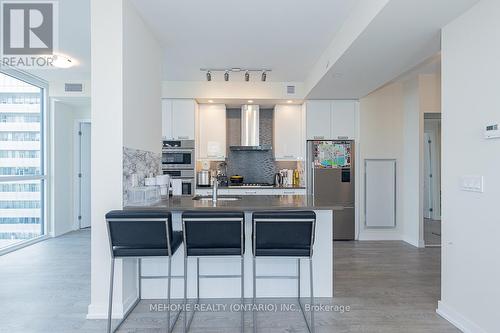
[{"x": 178, "y": 154}]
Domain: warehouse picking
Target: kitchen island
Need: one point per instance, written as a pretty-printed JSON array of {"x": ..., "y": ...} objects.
[{"x": 155, "y": 288}]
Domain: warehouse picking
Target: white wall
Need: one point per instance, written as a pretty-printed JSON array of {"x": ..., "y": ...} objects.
[
  {"x": 412, "y": 173},
  {"x": 233, "y": 89},
  {"x": 392, "y": 127},
  {"x": 141, "y": 84},
  {"x": 470, "y": 288},
  {"x": 62, "y": 168},
  {"x": 381, "y": 125},
  {"x": 125, "y": 112}
]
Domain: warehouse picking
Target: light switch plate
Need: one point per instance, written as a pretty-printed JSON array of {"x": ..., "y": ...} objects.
[{"x": 471, "y": 183}]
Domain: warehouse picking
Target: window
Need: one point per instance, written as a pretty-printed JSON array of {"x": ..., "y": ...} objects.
[{"x": 22, "y": 171}]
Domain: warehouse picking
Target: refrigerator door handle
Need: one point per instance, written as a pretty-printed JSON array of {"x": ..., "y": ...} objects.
[{"x": 312, "y": 178}]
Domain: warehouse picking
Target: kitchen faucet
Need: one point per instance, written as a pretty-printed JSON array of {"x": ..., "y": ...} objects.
[{"x": 215, "y": 188}]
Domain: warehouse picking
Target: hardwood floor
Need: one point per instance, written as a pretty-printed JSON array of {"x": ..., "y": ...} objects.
[
  {"x": 389, "y": 287},
  {"x": 432, "y": 232}
]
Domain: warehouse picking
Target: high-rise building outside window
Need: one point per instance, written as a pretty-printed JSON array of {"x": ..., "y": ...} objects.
[{"x": 22, "y": 171}]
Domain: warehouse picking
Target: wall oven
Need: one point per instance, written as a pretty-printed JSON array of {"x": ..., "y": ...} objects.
[{"x": 178, "y": 155}]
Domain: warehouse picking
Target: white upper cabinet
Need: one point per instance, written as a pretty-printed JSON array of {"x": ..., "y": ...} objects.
[
  {"x": 318, "y": 120},
  {"x": 183, "y": 118},
  {"x": 166, "y": 119},
  {"x": 178, "y": 119},
  {"x": 288, "y": 133},
  {"x": 344, "y": 119},
  {"x": 212, "y": 132},
  {"x": 331, "y": 120}
]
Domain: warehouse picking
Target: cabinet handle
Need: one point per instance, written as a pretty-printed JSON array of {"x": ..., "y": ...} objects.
[
  {"x": 318, "y": 137},
  {"x": 289, "y": 192},
  {"x": 250, "y": 192},
  {"x": 183, "y": 137}
]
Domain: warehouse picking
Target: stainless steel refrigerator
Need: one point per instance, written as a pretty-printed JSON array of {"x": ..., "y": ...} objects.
[{"x": 330, "y": 179}]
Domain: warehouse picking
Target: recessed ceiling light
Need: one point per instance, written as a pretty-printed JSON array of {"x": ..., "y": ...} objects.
[
  {"x": 62, "y": 61},
  {"x": 250, "y": 101},
  {"x": 289, "y": 101},
  {"x": 210, "y": 101}
]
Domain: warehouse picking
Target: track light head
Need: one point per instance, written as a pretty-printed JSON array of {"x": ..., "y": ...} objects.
[
  {"x": 226, "y": 76},
  {"x": 209, "y": 76},
  {"x": 247, "y": 76},
  {"x": 263, "y": 76}
]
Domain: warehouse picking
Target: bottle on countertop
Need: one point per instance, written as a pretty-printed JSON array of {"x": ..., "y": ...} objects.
[{"x": 296, "y": 177}]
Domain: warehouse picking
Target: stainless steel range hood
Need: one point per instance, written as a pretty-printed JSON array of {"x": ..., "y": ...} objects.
[{"x": 250, "y": 129}]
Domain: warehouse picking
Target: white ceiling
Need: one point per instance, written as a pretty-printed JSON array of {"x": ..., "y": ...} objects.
[
  {"x": 287, "y": 36},
  {"x": 402, "y": 36},
  {"x": 74, "y": 41}
]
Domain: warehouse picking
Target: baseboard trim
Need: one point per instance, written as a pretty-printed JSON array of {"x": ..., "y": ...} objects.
[
  {"x": 458, "y": 320},
  {"x": 100, "y": 311}
]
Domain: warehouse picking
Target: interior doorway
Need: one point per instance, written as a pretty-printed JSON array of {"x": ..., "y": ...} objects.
[
  {"x": 84, "y": 174},
  {"x": 432, "y": 179}
]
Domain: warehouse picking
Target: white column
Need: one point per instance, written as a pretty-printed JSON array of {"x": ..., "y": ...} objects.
[
  {"x": 126, "y": 111},
  {"x": 107, "y": 143}
]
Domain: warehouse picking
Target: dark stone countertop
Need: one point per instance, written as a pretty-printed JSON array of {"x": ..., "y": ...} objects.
[
  {"x": 246, "y": 203},
  {"x": 236, "y": 187}
]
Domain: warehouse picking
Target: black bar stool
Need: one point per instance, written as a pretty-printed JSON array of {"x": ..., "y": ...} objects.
[
  {"x": 287, "y": 234},
  {"x": 212, "y": 234},
  {"x": 139, "y": 234}
]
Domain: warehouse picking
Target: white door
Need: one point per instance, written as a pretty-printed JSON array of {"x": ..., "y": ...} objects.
[
  {"x": 85, "y": 175},
  {"x": 428, "y": 197}
]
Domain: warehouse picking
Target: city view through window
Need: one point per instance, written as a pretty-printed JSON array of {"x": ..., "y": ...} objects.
[{"x": 21, "y": 167}]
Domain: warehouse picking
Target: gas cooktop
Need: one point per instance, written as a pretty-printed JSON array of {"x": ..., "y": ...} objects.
[{"x": 246, "y": 185}]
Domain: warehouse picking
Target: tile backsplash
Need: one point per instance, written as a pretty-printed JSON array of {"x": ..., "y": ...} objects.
[
  {"x": 139, "y": 162},
  {"x": 254, "y": 166}
]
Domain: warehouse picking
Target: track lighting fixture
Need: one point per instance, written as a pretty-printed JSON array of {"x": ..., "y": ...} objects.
[{"x": 226, "y": 71}]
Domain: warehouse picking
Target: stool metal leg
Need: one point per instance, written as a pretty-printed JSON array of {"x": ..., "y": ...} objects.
[
  {"x": 198, "y": 280},
  {"x": 110, "y": 300},
  {"x": 298, "y": 279},
  {"x": 242, "y": 295},
  {"x": 185, "y": 294},
  {"x": 254, "y": 319},
  {"x": 169, "y": 285},
  {"x": 139, "y": 268},
  {"x": 312, "y": 294}
]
